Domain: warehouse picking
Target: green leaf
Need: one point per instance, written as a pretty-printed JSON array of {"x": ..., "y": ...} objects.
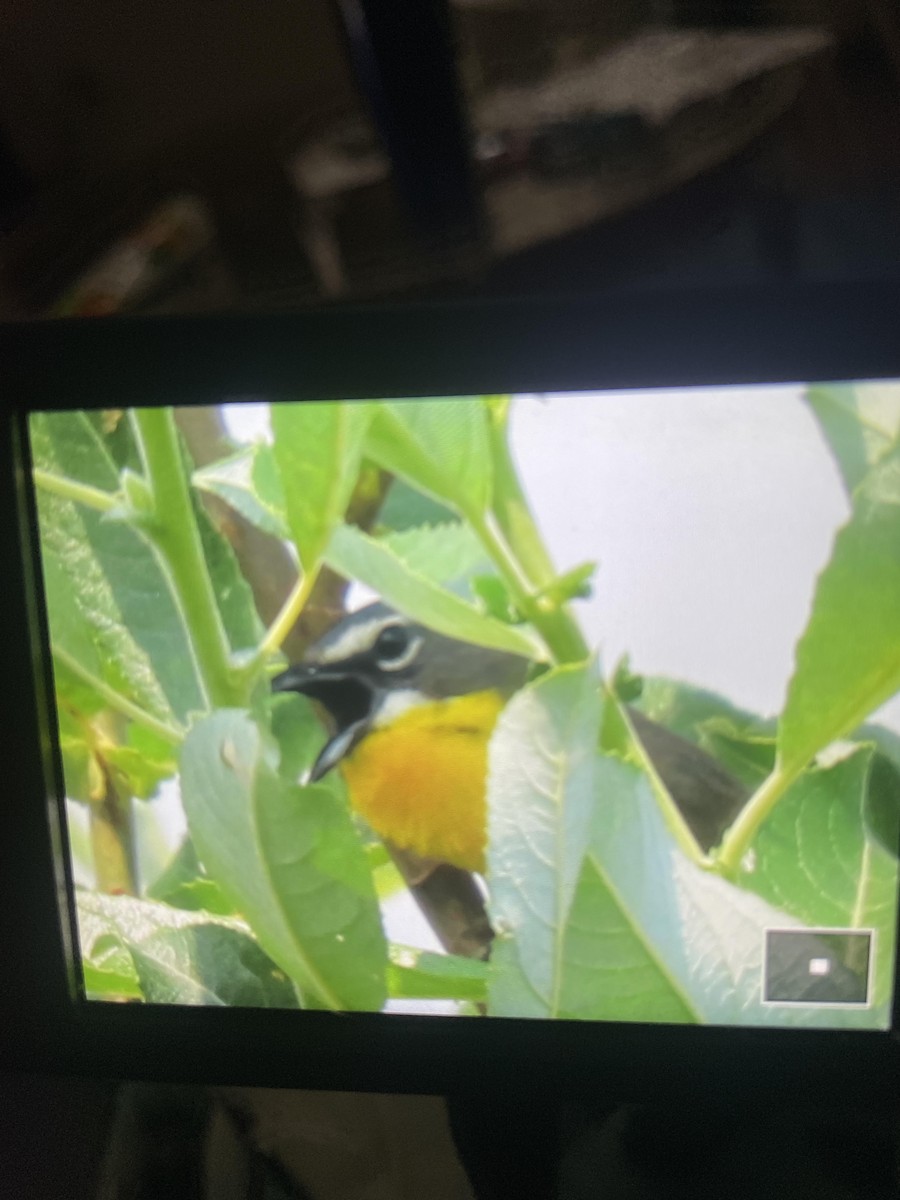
[
  {"x": 440, "y": 446},
  {"x": 210, "y": 965},
  {"x": 74, "y": 693},
  {"x": 234, "y": 596},
  {"x": 110, "y": 608},
  {"x": 405, "y": 507},
  {"x": 495, "y": 599},
  {"x": 706, "y": 934},
  {"x": 115, "y": 430},
  {"x": 86, "y": 746},
  {"x": 541, "y": 797},
  {"x": 574, "y": 584},
  {"x": 818, "y": 858},
  {"x": 104, "y": 921},
  {"x": 184, "y": 884},
  {"x": 200, "y": 895},
  {"x": 687, "y": 710},
  {"x": 748, "y": 755},
  {"x": 421, "y": 975},
  {"x": 102, "y": 946},
  {"x": 882, "y": 807},
  {"x": 318, "y": 450},
  {"x": 137, "y": 496},
  {"x": 848, "y": 658},
  {"x": 249, "y": 482},
  {"x": 102, "y": 984},
  {"x": 860, "y": 421},
  {"x": 652, "y": 937},
  {"x": 887, "y": 741},
  {"x": 385, "y": 874},
  {"x": 565, "y": 946},
  {"x": 81, "y": 770},
  {"x": 448, "y": 554},
  {"x": 627, "y": 685},
  {"x": 145, "y": 760},
  {"x": 289, "y": 859},
  {"x": 355, "y": 555},
  {"x": 610, "y": 968},
  {"x": 299, "y": 734},
  {"x": 175, "y": 957}
]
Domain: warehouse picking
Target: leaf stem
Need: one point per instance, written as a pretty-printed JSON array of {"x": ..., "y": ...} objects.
[
  {"x": 290, "y": 611},
  {"x": 71, "y": 489},
  {"x": 173, "y": 531},
  {"x": 553, "y": 622},
  {"x": 172, "y": 734},
  {"x": 738, "y": 839}
]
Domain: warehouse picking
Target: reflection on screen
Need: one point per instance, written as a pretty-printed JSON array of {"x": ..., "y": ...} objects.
[{"x": 563, "y": 707}]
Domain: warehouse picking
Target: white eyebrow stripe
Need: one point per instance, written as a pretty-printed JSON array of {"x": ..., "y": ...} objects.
[{"x": 356, "y": 639}]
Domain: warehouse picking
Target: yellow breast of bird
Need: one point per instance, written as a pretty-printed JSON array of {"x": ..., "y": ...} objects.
[{"x": 420, "y": 780}]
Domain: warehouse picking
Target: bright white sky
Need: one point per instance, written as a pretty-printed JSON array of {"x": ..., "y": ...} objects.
[{"x": 710, "y": 513}]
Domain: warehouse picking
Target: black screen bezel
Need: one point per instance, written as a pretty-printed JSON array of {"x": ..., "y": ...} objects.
[{"x": 809, "y": 334}]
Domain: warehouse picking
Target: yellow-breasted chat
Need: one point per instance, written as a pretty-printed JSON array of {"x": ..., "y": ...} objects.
[{"x": 411, "y": 714}]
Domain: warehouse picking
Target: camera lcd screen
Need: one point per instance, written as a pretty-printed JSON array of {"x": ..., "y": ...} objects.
[{"x": 575, "y": 706}]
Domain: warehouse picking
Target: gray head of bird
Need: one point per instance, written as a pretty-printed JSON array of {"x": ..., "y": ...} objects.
[{"x": 375, "y": 663}]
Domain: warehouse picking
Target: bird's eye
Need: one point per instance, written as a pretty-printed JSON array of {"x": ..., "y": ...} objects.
[{"x": 392, "y": 643}]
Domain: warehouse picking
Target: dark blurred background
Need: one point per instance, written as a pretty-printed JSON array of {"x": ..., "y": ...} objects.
[
  {"x": 269, "y": 154},
  {"x": 273, "y": 154}
]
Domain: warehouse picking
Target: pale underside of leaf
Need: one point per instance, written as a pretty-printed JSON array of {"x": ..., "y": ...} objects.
[{"x": 541, "y": 794}]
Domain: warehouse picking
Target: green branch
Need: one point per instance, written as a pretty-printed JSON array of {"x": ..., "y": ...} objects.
[
  {"x": 290, "y": 612},
  {"x": 554, "y": 623},
  {"x": 739, "y": 838},
  {"x": 172, "y": 734},
  {"x": 70, "y": 489},
  {"x": 173, "y": 531},
  {"x": 513, "y": 541}
]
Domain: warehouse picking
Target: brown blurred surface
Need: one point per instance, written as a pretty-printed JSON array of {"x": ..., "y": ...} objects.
[
  {"x": 72, "y": 1139},
  {"x": 348, "y": 1146},
  {"x": 110, "y": 113}
]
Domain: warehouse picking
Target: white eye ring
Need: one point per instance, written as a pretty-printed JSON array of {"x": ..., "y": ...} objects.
[{"x": 398, "y": 662}]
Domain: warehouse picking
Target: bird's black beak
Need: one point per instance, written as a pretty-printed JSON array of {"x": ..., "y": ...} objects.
[
  {"x": 299, "y": 678},
  {"x": 348, "y": 699}
]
